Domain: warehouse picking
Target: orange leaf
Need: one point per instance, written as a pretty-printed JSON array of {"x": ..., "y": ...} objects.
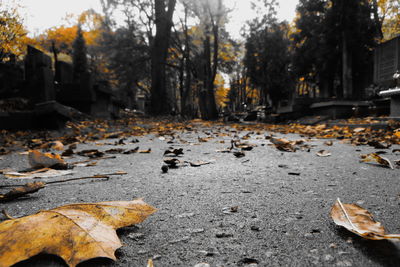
[
  {"x": 43, "y": 160},
  {"x": 75, "y": 232},
  {"x": 378, "y": 159},
  {"x": 359, "y": 221}
]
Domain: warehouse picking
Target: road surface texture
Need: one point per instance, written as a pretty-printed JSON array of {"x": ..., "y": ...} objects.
[{"x": 268, "y": 208}]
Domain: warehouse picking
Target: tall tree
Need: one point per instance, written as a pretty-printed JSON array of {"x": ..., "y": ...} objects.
[
  {"x": 332, "y": 30},
  {"x": 212, "y": 16},
  {"x": 159, "y": 52},
  {"x": 79, "y": 55},
  {"x": 268, "y": 58},
  {"x": 12, "y": 32}
]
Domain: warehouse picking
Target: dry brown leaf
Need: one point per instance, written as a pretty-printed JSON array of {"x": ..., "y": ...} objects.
[
  {"x": 378, "y": 159},
  {"x": 115, "y": 151},
  {"x": 145, "y": 151},
  {"x": 359, "y": 130},
  {"x": 198, "y": 163},
  {"x": 91, "y": 153},
  {"x": 176, "y": 151},
  {"x": 359, "y": 221},
  {"x": 283, "y": 144},
  {"x": 22, "y": 191},
  {"x": 57, "y": 145},
  {"x": 328, "y": 143},
  {"x": 38, "y": 159},
  {"x": 75, "y": 232},
  {"x": 323, "y": 153},
  {"x": 132, "y": 151},
  {"x": 172, "y": 162}
]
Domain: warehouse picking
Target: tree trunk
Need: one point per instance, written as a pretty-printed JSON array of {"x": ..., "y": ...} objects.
[{"x": 159, "y": 97}]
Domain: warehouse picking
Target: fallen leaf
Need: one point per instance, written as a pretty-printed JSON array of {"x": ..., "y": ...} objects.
[
  {"x": 39, "y": 160},
  {"x": 57, "y": 145},
  {"x": 359, "y": 221},
  {"x": 145, "y": 151},
  {"x": 91, "y": 153},
  {"x": 203, "y": 140},
  {"x": 86, "y": 164},
  {"x": 176, "y": 152},
  {"x": 150, "y": 263},
  {"x": 132, "y": 151},
  {"x": 379, "y": 145},
  {"x": 323, "y": 153},
  {"x": 115, "y": 151},
  {"x": 283, "y": 144},
  {"x": 198, "y": 163},
  {"x": 376, "y": 158},
  {"x": 359, "y": 130},
  {"x": 22, "y": 191},
  {"x": 172, "y": 162},
  {"x": 75, "y": 232},
  {"x": 4, "y": 151},
  {"x": 67, "y": 153},
  {"x": 328, "y": 143}
]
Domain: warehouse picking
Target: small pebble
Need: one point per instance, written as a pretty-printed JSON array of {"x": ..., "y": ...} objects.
[{"x": 164, "y": 168}]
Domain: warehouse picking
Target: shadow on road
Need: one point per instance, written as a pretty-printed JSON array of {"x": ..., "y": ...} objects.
[{"x": 383, "y": 252}]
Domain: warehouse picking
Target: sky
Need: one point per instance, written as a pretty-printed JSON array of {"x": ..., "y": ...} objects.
[{"x": 43, "y": 14}]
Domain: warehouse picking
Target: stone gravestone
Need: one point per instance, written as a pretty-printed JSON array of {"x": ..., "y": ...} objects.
[
  {"x": 63, "y": 72},
  {"x": 39, "y": 76}
]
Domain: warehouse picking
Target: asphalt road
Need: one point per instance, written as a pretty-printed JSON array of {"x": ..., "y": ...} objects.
[{"x": 268, "y": 208}]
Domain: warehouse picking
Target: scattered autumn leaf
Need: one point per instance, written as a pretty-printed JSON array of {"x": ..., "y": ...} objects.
[
  {"x": 4, "y": 151},
  {"x": 22, "y": 191},
  {"x": 57, "y": 145},
  {"x": 323, "y": 153},
  {"x": 328, "y": 143},
  {"x": 198, "y": 163},
  {"x": 132, "y": 151},
  {"x": 145, "y": 151},
  {"x": 176, "y": 151},
  {"x": 378, "y": 159},
  {"x": 283, "y": 144},
  {"x": 75, "y": 232},
  {"x": 115, "y": 151},
  {"x": 68, "y": 152},
  {"x": 91, "y": 153},
  {"x": 38, "y": 159},
  {"x": 244, "y": 146},
  {"x": 378, "y": 144},
  {"x": 203, "y": 139},
  {"x": 359, "y": 130},
  {"x": 359, "y": 221},
  {"x": 172, "y": 162}
]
